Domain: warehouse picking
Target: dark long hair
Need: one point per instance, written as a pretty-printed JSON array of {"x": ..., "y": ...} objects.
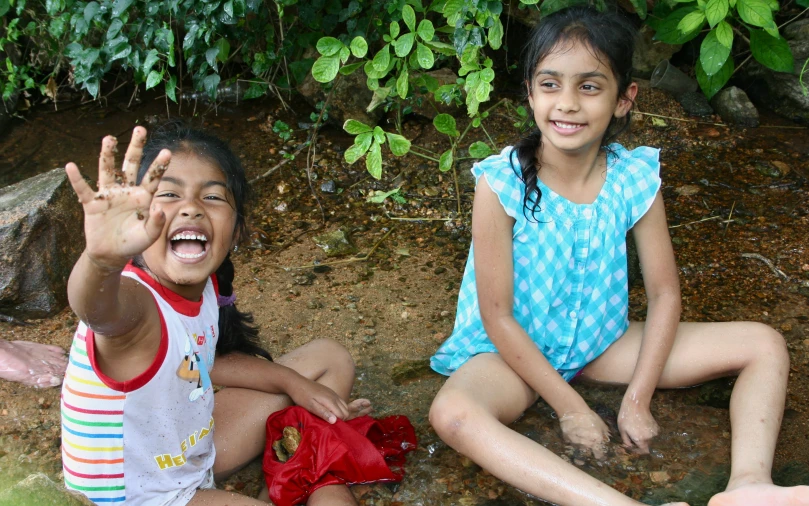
[
  {"x": 236, "y": 329},
  {"x": 610, "y": 37}
]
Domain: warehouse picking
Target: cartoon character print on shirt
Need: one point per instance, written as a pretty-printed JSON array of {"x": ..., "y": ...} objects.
[{"x": 194, "y": 367}]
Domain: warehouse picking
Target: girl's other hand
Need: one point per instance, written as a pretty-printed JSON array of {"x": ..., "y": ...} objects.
[
  {"x": 586, "y": 430},
  {"x": 319, "y": 400},
  {"x": 637, "y": 425},
  {"x": 120, "y": 221}
]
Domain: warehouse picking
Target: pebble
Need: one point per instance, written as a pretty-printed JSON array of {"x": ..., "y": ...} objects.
[
  {"x": 351, "y": 306},
  {"x": 369, "y": 339},
  {"x": 328, "y": 186},
  {"x": 295, "y": 292},
  {"x": 440, "y": 270},
  {"x": 369, "y": 332},
  {"x": 369, "y": 323},
  {"x": 444, "y": 314}
]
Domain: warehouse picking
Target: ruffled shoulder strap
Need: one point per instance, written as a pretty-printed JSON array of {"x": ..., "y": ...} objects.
[
  {"x": 502, "y": 174},
  {"x": 638, "y": 174}
]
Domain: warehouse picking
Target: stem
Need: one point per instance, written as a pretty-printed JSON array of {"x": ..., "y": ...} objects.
[
  {"x": 425, "y": 150},
  {"x": 741, "y": 64},
  {"x": 488, "y": 136},
  {"x": 793, "y": 19},
  {"x": 423, "y": 156},
  {"x": 457, "y": 188},
  {"x": 349, "y": 260}
]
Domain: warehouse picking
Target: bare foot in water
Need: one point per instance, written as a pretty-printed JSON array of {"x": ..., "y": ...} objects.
[
  {"x": 762, "y": 494},
  {"x": 32, "y": 364},
  {"x": 358, "y": 407}
]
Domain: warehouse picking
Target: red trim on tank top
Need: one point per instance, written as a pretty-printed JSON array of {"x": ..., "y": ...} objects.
[
  {"x": 176, "y": 301},
  {"x": 144, "y": 377}
]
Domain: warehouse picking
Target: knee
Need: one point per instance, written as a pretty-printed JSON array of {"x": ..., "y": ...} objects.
[
  {"x": 769, "y": 346},
  {"x": 450, "y": 414},
  {"x": 336, "y": 355}
]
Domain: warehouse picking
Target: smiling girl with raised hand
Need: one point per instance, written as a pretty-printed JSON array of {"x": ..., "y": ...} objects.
[
  {"x": 544, "y": 297},
  {"x": 153, "y": 288}
]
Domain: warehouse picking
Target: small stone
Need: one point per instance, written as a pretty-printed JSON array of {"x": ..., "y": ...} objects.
[
  {"x": 410, "y": 369},
  {"x": 282, "y": 187},
  {"x": 444, "y": 314},
  {"x": 314, "y": 304},
  {"x": 688, "y": 189},
  {"x": 578, "y": 462},
  {"x": 369, "y": 339},
  {"x": 439, "y": 336},
  {"x": 335, "y": 243},
  {"x": 5, "y": 411},
  {"x": 786, "y": 327},
  {"x": 405, "y": 315},
  {"x": 328, "y": 186},
  {"x": 369, "y": 332},
  {"x": 351, "y": 306},
  {"x": 321, "y": 269},
  {"x": 659, "y": 476},
  {"x": 369, "y": 323},
  {"x": 440, "y": 270},
  {"x": 295, "y": 292}
]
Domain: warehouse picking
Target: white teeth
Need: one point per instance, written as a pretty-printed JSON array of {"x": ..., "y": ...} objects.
[
  {"x": 566, "y": 125},
  {"x": 184, "y": 236},
  {"x": 189, "y": 255}
]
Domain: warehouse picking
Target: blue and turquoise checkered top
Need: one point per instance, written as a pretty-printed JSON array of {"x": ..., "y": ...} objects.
[{"x": 570, "y": 267}]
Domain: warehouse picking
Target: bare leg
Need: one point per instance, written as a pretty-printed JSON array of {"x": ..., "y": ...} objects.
[
  {"x": 704, "y": 351},
  {"x": 33, "y": 364},
  {"x": 476, "y": 403},
  {"x": 241, "y": 414}
]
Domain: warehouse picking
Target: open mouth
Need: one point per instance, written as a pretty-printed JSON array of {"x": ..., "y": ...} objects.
[
  {"x": 189, "y": 245},
  {"x": 567, "y": 126}
]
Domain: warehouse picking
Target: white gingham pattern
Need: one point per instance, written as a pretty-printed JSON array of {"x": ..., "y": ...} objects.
[{"x": 570, "y": 267}]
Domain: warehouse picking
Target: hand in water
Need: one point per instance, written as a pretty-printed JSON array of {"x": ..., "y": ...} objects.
[
  {"x": 586, "y": 430},
  {"x": 119, "y": 219},
  {"x": 637, "y": 425}
]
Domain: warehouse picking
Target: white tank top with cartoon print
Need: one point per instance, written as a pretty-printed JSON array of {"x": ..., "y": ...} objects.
[{"x": 147, "y": 441}]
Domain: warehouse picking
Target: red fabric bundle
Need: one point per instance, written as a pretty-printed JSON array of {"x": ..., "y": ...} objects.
[{"x": 357, "y": 451}]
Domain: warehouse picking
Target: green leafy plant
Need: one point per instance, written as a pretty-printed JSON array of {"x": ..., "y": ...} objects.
[
  {"x": 726, "y": 21},
  {"x": 282, "y": 129}
]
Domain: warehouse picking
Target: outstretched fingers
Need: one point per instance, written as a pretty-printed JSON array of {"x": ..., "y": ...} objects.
[
  {"x": 80, "y": 186},
  {"x": 152, "y": 177},
  {"x": 134, "y": 154},
  {"x": 106, "y": 162}
]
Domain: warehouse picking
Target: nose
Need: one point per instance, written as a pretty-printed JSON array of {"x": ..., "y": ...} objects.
[
  {"x": 568, "y": 100},
  {"x": 191, "y": 208}
]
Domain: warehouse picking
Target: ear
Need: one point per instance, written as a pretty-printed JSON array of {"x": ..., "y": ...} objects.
[{"x": 626, "y": 100}]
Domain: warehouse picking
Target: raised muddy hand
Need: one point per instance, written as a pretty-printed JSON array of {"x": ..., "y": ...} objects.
[
  {"x": 762, "y": 494},
  {"x": 119, "y": 219},
  {"x": 32, "y": 364}
]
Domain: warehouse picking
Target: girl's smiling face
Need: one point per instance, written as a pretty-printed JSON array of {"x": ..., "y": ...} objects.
[
  {"x": 200, "y": 225},
  {"x": 574, "y": 97}
]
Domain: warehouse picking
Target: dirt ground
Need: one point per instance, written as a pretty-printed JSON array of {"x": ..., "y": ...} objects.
[{"x": 738, "y": 211}]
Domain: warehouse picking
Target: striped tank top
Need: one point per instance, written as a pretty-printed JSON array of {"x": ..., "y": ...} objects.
[{"x": 149, "y": 440}]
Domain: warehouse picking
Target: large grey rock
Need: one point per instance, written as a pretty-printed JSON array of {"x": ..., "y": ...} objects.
[
  {"x": 41, "y": 236},
  {"x": 735, "y": 108},
  {"x": 349, "y": 101},
  {"x": 39, "y": 490},
  {"x": 648, "y": 53},
  {"x": 782, "y": 91}
]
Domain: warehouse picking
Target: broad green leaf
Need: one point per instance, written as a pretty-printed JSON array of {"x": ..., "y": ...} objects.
[
  {"x": 224, "y": 49},
  {"x": 150, "y": 60},
  {"x": 404, "y": 44},
  {"x": 328, "y": 46},
  {"x": 211, "y": 83},
  {"x": 379, "y": 135},
  {"x": 210, "y": 56},
  {"x": 479, "y": 150},
  {"x": 90, "y": 11},
  {"x": 445, "y": 124},
  {"x": 426, "y": 30},
  {"x": 425, "y": 56},
  {"x": 171, "y": 88},
  {"x": 355, "y": 127},
  {"x": 640, "y": 8},
  {"x": 114, "y": 29},
  {"x": 402, "y": 84},
  {"x": 496, "y": 34},
  {"x": 372, "y": 84},
  {"x": 119, "y": 7},
  {"x": 668, "y": 30},
  {"x": 803, "y": 3},
  {"x": 4, "y": 8},
  {"x": 377, "y": 197},
  {"x": 692, "y": 21},
  {"x": 712, "y": 53},
  {"x": 325, "y": 68},
  {"x": 399, "y": 145},
  {"x": 91, "y": 85},
  {"x": 711, "y": 85},
  {"x": 394, "y": 29},
  {"x": 441, "y": 47},
  {"x": 755, "y": 12},
  {"x": 359, "y": 48},
  {"x": 452, "y": 7},
  {"x": 350, "y": 69},
  {"x": 380, "y": 94},
  {"x": 770, "y": 51},
  {"x": 154, "y": 79},
  {"x": 361, "y": 144},
  {"x": 344, "y": 54},
  {"x": 409, "y": 17},
  {"x": 716, "y": 11},
  {"x": 482, "y": 91},
  {"x": 487, "y": 75},
  {"x": 373, "y": 162},
  {"x": 382, "y": 59},
  {"x": 445, "y": 162},
  {"x": 529, "y": 2},
  {"x": 724, "y": 34}
]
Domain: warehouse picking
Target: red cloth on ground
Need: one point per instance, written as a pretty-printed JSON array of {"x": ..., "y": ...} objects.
[{"x": 357, "y": 451}]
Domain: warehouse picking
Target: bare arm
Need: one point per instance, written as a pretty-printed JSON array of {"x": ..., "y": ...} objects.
[
  {"x": 662, "y": 286},
  {"x": 494, "y": 269}
]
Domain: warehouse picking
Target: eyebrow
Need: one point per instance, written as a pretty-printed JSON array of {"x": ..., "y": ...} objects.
[
  {"x": 584, "y": 75},
  {"x": 181, "y": 183}
]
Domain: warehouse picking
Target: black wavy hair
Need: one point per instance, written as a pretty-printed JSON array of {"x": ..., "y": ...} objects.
[
  {"x": 236, "y": 329},
  {"x": 610, "y": 37}
]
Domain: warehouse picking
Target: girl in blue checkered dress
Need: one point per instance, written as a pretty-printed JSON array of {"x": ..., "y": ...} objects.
[{"x": 544, "y": 295}]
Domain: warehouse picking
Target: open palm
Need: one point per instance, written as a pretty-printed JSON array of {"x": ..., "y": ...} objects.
[{"x": 119, "y": 219}]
